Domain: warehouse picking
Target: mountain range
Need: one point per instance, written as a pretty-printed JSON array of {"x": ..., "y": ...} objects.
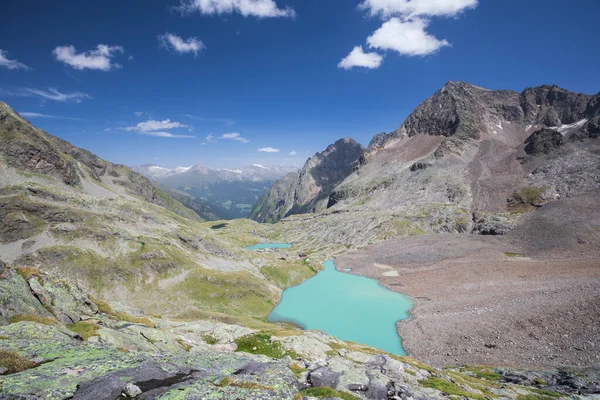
[
  {"x": 482, "y": 206},
  {"x": 216, "y": 193},
  {"x": 476, "y": 151}
]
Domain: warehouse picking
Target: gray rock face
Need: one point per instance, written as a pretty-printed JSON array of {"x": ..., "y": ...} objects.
[
  {"x": 32, "y": 150},
  {"x": 543, "y": 141},
  {"x": 465, "y": 146},
  {"x": 309, "y": 189}
]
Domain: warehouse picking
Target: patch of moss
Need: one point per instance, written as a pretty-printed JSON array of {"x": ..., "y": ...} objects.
[
  {"x": 513, "y": 255},
  {"x": 325, "y": 393},
  {"x": 85, "y": 329},
  {"x": 449, "y": 388},
  {"x": 483, "y": 373},
  {"x": 296, "y": 369},
  {"x": 186, "y": 346},
  {"x": 209, "y": 339},
  {"x": 105, "y": 308},
  {"x": 33, "y": 318},
  {"x": 29, "y": 272},
  {"x": 260, "y": 343},
  {"x": 14, "y": 362}
]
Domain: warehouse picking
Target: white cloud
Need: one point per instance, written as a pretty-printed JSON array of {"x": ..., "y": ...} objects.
[
  {"x": 269, "y": 150},
  {"x": 11, "y": 64},
  {"x": 358, "y": 58},
  {"x": 152, "y": 125},
  {"x": 191, "y": 45},
  {"x": 293, "y": 153},
  {"x": 167, "y": 135},
  {"x": 38, "y": 115},
  {"x": 157, "y": 129},
  {"x": 406, "y": 37},
  {"x": 234, "y": 136},
  {"x": 138, "y": 113},
  {"x": 417, "y": 8},
  {"x": 404, "y": 29},
  {"x": 100, "y": 58},
  {"x": 255, "y": 8},
  {"x": 210, "y": 139},
  {"x": 53, "y": 94}
]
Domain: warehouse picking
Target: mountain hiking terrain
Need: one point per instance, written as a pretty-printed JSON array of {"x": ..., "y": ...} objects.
[
  {"x": 77, "y": 229},
  {"x": 57, "y": 342},
  {"x": 496, "y": 196}
]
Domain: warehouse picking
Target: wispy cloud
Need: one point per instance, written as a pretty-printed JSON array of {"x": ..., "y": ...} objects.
[
  {"x": 210, "y": 139},
  {"x": 167, "y": 135},
  {"x": 139, "y": 113},
  {"x": 293, "y": 153},
  {"x": 404, "y": 29},
  {"x": 191, "y": 45},
  {"x": 99, "y": 58},
  {"x": 255, "y": 8},
  {"x": 11, "y": 64},
  {"x": 33, "y": 115},
  {"x": 358, "y": 58},
  {"x": 152, "y": 125},
  {"x": 226, "y": 121},
  {"x": 50, "y": 94},
  {"x": 158, "y": 129},
  {"x": 234, "y": 136},
  {"x": 269, "y": 150}
]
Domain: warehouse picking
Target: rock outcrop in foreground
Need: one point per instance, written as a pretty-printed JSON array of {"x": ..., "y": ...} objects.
[{"x": 58, "y": 343}]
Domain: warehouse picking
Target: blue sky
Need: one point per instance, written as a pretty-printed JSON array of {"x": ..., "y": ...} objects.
[{"x": 120, "y": 77}]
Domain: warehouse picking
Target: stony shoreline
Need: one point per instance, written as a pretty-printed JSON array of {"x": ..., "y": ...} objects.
[{"x": 479, "y": 304}]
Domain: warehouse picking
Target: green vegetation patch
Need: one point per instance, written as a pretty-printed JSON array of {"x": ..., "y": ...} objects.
[
  {"x": 545, "y": 393},
  {"x": 326, "y": 393},
  {"x": 483, "y": 373},
  {"x": 209, "y": 339},
  {"x": 449, "y": 388},
  {"x": 289, "y": 274},
  {"x": 296, "y": 369},
  {"x": 260, "y": 343},
  {"x": 29, "y": 272},
  {"x": 106, "y": 308},
  {"x": 513, "y": 255},
  {"x": 85, "y": 329},
  {"x": 234, "y": 293},
  {"x": 33, "y": 318},
  {"x": 14, "y": 362}
]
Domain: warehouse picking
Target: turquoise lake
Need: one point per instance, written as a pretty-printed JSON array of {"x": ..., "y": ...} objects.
[
  {"x": 349, "y": 307},
  {"x": 269, "y": 246}
]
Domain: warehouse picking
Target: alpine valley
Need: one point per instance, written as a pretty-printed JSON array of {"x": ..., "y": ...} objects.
[{"x": 482, "y": 206}]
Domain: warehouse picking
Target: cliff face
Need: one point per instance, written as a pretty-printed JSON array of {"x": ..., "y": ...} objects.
[
  {"x": 309, "y": 189},
  {"x": 471, "y": 150}
]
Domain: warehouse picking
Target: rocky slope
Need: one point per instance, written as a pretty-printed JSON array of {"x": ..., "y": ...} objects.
[
  {"x": 309, "y": 189},
  {"x": 64, "y": 210},
  {"x": 484, "y": 155},
  {"x": 58, "y": 343}
]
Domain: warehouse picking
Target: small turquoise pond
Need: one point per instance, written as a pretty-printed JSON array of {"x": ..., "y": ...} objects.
[
  {"x": 269, "y": 246},
  {"x": 349, "y": 307}
]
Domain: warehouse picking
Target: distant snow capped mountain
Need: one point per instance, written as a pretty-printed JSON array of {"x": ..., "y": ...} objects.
[
  {"x": 229, "y": 192},
  {"x": 155, "y": 172},
  {"x": 255, "y": 172}
]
